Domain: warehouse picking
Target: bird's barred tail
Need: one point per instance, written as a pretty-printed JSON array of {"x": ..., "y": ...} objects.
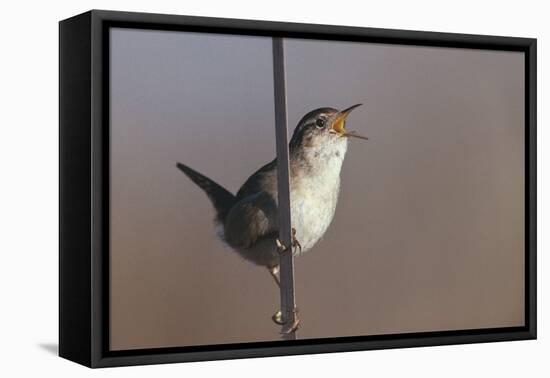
[{"x": 220, "y": 197}]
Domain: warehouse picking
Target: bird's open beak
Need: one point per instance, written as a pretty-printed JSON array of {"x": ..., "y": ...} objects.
[{"x": 338, "y": 125}]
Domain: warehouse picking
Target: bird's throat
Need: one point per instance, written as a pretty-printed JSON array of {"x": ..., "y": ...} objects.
[{"x": 319, "y": 161}]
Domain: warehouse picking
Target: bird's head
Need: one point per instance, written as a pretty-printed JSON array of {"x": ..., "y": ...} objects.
[{"x": 322, "y": 132}]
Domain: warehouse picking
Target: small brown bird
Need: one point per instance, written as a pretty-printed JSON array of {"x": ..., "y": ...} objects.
[{"x": 249, "y": 219}]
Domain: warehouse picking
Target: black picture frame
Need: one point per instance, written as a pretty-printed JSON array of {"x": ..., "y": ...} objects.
[{"x": 84, "y": 200}]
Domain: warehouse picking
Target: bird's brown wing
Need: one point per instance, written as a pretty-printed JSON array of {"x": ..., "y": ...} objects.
[
  {"x": 251, "y": 219},
  {"x": 263, "y": 180}
]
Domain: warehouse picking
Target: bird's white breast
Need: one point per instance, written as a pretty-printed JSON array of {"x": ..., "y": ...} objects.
[{"x": 313, "y": 196}]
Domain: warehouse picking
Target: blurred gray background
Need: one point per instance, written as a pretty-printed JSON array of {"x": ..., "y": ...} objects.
[{"x": 428, "y": 233}]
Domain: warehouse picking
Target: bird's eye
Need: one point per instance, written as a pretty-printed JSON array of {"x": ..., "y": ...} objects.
[{"x": 320, "y": 123}]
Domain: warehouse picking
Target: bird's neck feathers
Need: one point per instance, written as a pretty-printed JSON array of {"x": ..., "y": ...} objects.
[{"x": 325, "y": 159}]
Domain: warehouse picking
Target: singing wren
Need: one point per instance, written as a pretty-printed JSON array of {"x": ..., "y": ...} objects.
[{"x": 249, "y": 221}]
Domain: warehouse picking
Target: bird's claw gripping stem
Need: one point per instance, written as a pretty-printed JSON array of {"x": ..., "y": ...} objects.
[
  {"x": 287, "y": 327},
  {"x": 280, "y": 246},
  {"x": 278, "y": 318},
  {"x": 290, "y": 327},
  {"x": 295, "y": 244}
]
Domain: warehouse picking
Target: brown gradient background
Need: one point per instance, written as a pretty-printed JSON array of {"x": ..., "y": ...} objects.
[{"x": 428, "y": 233}]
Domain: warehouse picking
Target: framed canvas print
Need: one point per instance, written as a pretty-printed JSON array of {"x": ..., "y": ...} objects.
[{"x": 233, "y": 188}]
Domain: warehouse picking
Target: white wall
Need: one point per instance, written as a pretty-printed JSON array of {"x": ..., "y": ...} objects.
[{"x": 28, "y": 152}]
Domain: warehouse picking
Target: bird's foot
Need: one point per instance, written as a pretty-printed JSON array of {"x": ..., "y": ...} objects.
[
  {"x": 274, "y": 271},
  {"x": 278, "y": 318},
  {"x": 287, "y": 327},
  {"x": 295, "y": 244},
  {"x": 292, "y": 326},
  {"x": 280, "y": 246}
]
